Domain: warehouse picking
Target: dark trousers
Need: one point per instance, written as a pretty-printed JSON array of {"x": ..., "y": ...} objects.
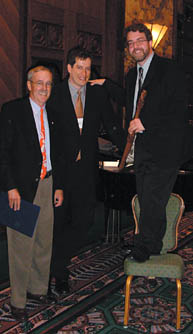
[
  {"x": 72, "y": 220},
  {"x": 154, "y": 185}
]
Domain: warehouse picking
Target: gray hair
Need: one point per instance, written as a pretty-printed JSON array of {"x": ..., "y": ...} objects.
[{"x": 36, "y": 69}]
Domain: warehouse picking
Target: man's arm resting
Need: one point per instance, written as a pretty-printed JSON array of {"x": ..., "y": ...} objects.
[{"x": 116, "y": 92}]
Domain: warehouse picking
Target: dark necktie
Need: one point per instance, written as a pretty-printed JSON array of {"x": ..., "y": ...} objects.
[{"x": 140, "y": 81}]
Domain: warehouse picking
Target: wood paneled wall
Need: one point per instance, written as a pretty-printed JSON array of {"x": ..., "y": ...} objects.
[
  {"x": 10, "y": 83},
  {"x": 32, "y": 30}
]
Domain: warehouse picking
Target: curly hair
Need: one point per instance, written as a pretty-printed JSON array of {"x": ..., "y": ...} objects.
[{"x": 137, "y": 26}]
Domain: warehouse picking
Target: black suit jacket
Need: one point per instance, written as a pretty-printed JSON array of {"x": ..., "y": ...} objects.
[
  {"x": 97, "y": 109},
  {"x": 20, "y": 154},
  {"x": 164, "y": 114}
]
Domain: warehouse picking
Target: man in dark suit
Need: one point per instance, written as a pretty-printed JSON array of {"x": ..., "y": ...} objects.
[
  {"x": 160, "y": 134},
  {"x": 78, "y": 136},
  {"x": 28, "y": 167}
]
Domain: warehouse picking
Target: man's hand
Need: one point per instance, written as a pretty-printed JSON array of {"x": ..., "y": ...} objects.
[
  {"x": 135, "y": 126},
  {"x": 97, "y": 82},
  {"x": 58, "y": 197},
  {"x": 14, "y": 199}
]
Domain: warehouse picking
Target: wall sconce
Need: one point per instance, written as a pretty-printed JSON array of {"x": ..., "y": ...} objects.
[{"x": 158, "y": 31}]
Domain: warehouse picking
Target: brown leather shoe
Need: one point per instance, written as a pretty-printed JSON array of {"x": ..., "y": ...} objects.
[
  {"x": 41, "y": 299},
  {"x": 19, "y": 314}
]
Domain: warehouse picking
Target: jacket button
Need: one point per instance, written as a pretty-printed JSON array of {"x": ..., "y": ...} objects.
[
  {"x": 114, "y": 128},
  {"x": 37, "y": 179}
]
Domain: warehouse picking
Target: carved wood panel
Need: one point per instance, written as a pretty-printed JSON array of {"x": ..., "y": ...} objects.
[
  {"x": 44, "y": 30},
  {"x": 47, "y": 35},
  {"x": 91, "y": 42}
]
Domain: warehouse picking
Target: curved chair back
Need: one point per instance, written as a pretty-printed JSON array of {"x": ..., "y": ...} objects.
[{"x": 174, "y": 211}]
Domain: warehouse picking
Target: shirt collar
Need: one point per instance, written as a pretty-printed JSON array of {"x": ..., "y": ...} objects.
[
  {"x": 146, "y": 65},
  {"x": 35, "y": 107},
  {"x": 74, "y": 90}
]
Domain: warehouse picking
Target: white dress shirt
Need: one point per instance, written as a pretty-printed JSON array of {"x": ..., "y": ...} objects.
[{"x": 36, "y": 113}]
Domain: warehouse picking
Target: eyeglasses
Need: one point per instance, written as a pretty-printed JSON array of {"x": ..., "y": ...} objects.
[
  {"x": 131, "y": 44},
  {"x": 41, "y": 84}
]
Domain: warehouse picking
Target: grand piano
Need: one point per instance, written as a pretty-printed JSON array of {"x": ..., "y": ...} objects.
[{"x": 118, "y": 189}]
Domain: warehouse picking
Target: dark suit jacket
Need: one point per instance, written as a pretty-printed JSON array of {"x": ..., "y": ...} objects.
[
  {"x": 20, "y": 154},
  {"x": 97, "y": 109},
  {"x": 164, "y": 114}
]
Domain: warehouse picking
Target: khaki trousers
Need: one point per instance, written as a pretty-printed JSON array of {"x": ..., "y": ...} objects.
[{"x": 29, "y": 258}]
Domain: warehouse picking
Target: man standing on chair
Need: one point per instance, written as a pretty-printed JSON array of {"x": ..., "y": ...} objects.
[
  {"x": 160, "y": 134},
  {"x": 79, "y": 109},
  {"x": 29, "y": 166}
]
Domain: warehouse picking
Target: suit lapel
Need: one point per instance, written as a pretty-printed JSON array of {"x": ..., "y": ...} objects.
[
  {"x": 88, "y": 102},
  {"x": 28, "y": 125},
  {"x": 151, "y": 72},
  {"x": 131, "y": 82},
  {"x": 68, "y": 106}
]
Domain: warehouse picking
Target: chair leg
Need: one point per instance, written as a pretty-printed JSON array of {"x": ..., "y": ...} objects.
[
  {"x": 113, "y": 227},
  {"x": 113, "y": 221},
  {"x": 108, "y": 227},
  {"x": 127, "y": 300},
  {"x": 106, "y": 217},
  {"x": 178, "y": 308},
  {"x": 118, "y": 224}
]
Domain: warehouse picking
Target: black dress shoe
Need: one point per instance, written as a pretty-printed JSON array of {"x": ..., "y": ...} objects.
[
  {"x": 42, "y": 299},
  {"x": 127, "y": 249},
  {"x": 61, "y": 287},
  {"x": 139, "y": 254},
  {"x": 19, "y": 314}
]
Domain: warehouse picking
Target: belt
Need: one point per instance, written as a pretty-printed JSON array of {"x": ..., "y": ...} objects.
[{"x": 48, "y": 174}]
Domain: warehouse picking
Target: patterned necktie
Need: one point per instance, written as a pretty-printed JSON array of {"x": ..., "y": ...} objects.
[
  {"x": 140, "y": 81},
  {"x": 42, "y": 145}
]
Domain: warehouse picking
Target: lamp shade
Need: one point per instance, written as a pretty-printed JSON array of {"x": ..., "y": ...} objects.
[{"x": 158, "y": 31}]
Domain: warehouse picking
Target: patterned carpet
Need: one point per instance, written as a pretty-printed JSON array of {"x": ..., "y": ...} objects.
[
  {"x": 153, "y": 308},
  {"x": 97, "y": 275}
]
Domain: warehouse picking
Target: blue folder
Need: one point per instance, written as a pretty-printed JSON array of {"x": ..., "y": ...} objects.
[{"x": 23, "y": 220}]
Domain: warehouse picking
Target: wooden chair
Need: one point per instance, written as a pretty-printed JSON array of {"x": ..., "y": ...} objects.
[{"x": 166, "y": 264}]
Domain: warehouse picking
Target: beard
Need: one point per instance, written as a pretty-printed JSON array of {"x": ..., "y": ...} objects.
[{"x": 141, "y": 56}]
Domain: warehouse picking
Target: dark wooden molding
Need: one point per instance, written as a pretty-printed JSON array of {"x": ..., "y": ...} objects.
[
  {"x": 47, "y": 35},
  {"x": 91, "y": 42}
]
